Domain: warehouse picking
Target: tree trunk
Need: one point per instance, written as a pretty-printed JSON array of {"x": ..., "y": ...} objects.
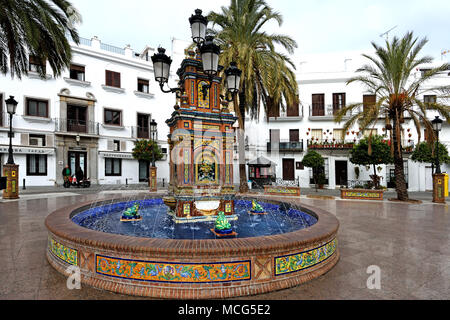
[
  {"x": 400, "y": 182},
  {"x": 240, "y": 112}
]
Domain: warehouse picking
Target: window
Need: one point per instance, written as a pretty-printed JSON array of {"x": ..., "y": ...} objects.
[
  {"x": 36, "y": 165},
  {"x": 143, "y": 129},
  {"x": 423, "y": 72},
  {"x": 77, "y": 72},
  {"x": 338, "y": 134},
  {"x": 369, "y": 100},
  {"x": 113, "y": 167},
  {"x": 113, "y": 117},
  {"x": 338, "y": 102},
  {"x": 430, "y": 99},
  {"x": 37, "y": 108},
  {"x": 112, "y": 79},
  {"x": 35, "y": 65},
  {"x": 116, "y": 145},
  {"x": 317, "y": 135},
  {"x": 143, "y": 86},
  {"x": 368, "y": 132},
  {"x": 36, "y": 140}
]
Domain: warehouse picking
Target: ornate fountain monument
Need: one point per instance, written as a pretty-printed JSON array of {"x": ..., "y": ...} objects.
[
  {"x": 132, "y": 246},
  {"x": 201, "y": 147}
]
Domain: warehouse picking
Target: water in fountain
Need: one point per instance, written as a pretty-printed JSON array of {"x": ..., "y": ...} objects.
[{"x": 157, "y": 224}]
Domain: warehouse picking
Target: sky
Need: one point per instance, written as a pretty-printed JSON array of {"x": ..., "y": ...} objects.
[{"x": 318, "y": 26}]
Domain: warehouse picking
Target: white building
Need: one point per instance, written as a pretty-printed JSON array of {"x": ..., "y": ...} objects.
[
  {"x": 92, "y": 115},
  {"x": 322, "y": 87},
  {"x": 89, "y": 117}
]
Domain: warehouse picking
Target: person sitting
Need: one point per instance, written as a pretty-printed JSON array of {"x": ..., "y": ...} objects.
[{"x": 79, "y": 174}]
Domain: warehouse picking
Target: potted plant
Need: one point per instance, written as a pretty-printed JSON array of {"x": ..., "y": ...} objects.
[{"x": 321, "y": 180}]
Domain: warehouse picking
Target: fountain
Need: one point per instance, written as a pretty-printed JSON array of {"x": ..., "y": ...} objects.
[{"x": 201, "y": 240}]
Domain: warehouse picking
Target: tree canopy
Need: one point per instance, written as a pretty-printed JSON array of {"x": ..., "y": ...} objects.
[
  {"x": 36, "y": 28},
  {"x": 379, "y": 152},
  {"x": 424, "y": 152},
  {"x": 143, "y": 150}
]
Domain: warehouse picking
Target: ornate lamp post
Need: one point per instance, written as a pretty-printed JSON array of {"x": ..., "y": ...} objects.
[
  {"x": 439, "y": 179},
  {"x": 153, "y": 171},
  {"x": 11, "y": 170},
  {"x": 209, "y": 52},
  {"x": 437, "y": 127}
]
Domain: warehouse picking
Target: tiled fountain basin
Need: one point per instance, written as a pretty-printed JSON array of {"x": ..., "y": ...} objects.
[{"x": 219, "y": 268}]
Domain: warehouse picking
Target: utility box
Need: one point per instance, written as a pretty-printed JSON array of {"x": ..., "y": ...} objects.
[
  {"x": 11, "y": 172},
  {"x": 439, "y": 186}
]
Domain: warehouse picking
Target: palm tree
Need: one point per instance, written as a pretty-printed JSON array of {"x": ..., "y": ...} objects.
[
  {"x": 389, "y": 77},
  {"x": 267, "y": 79},
  {"x": 36, "y": 28}
]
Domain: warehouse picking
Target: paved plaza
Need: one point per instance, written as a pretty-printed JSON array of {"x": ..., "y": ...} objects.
[{"x": 410, "y": 243}]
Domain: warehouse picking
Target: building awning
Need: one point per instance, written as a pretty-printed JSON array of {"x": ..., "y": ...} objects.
[
  {"x": 261, "y": 161},
  {"x": 27, "y": 150}
]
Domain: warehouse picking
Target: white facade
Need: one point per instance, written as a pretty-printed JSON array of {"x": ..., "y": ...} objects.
[
  {"x": 317, "y": 74},
  {"x": 328, "y": 75},
  {"x": 67, "y": 98}
]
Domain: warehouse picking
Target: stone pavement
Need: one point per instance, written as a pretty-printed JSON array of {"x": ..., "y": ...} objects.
[{"x": 409, "y": 242}]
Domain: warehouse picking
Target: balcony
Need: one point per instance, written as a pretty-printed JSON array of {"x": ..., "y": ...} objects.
[
  {"x": 327, "y": 113},
  {"x": 286, "y": 116},
  {"x": 285, "y": 146},
  {"x": 77, "y": 126},
  {"x": 140, "y": 132},
  {"x": 332, "y": 144}
]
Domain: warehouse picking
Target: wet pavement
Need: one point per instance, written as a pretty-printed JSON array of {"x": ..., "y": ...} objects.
[{"x": 410, "y": 243}]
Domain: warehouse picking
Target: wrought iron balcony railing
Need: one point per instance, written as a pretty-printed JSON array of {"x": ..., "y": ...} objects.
[
  {"x": 77, "y": 126},
  {"x": 285, "y": 146}
]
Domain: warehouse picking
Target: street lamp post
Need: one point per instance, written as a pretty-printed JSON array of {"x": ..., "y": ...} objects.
[
  {"x": 153, "y": 170},
  {"x": 209, "y": 52},
  {"x": 439, "y": 179},
  {"x": 11, "y": 170}
]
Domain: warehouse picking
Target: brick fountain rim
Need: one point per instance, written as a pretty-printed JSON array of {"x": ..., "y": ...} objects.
[{"x": 261, "y": 254}]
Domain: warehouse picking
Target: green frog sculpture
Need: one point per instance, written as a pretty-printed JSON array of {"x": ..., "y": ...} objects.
[
  {"x": 257, "y": 208},
  {"x": 222, "y": 226},
  {"x": 131, "y": 214}
]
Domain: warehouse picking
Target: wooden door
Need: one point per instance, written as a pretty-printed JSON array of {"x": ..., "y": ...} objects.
[
  {"x": 289, "y": 169},
  {"x": 369, "y": 100},
  {"x": 318, "y": 105},
  {"x": 294, "y": 135}
]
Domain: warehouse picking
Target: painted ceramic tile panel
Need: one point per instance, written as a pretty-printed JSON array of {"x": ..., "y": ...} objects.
[
  {"x": 173, "y": 272},
  {"x": 64, "y": 253},
  {"x": 304, "y": 260}
]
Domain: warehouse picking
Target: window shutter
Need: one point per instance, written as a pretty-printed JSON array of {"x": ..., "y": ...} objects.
[
  {"x": 24, "y": 139},
  {"x": 110, "y": 146},
  {"x": 123, "y": 146},
  {"x": 49, "y": 141},
  {"x": 108, "y": 80},
  {"x": 116, "y": 79}
]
